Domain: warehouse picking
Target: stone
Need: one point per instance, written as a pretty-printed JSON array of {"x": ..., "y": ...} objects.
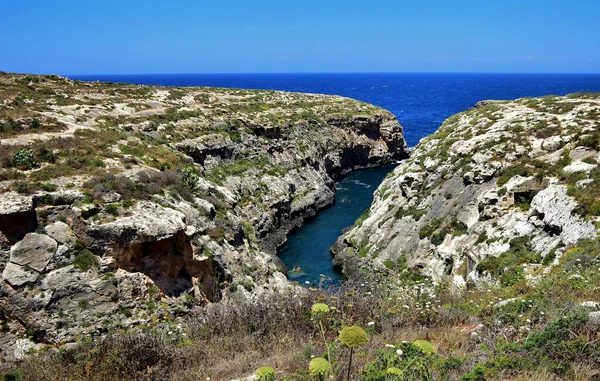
[
  {"x": 557, "y": 208},
  {"x": 109, "y": 197},
  {"x": 23, "y": 347},
  {"x": 579, "y": 166},
  {"x": 35, "y": 251},
  {"x": 61, "y": 232},
  {"x": 17, "y": 275},
  {"x": 146, "y": 222},
  {"x": 505, "y": 302},
  {"x": 590, "y": 304},
  {"x": 594, "y": 318}
]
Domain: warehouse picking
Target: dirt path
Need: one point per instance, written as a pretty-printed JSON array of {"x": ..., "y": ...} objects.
[{"x": 27, "y": 139}]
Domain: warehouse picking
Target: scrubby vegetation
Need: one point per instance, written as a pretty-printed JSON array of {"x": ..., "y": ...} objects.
[{"x": 414, "y": 330}]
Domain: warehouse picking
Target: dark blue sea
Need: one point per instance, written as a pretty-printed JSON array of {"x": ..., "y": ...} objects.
[{"x": 420, "y": 101}]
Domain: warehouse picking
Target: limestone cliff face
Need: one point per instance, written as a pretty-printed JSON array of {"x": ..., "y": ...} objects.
[
  {"x": 500, "y": 179},
  {"x": 122, "y": 203}
]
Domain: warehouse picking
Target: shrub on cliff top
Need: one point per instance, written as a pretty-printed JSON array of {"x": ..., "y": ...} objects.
[{"x": 24, "y": 158}]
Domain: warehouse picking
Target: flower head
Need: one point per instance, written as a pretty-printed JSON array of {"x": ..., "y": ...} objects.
[
  {"x": 353, "y": 336},
  {"x": 320, "y": 308},
  {"x": 318, "y": 367},
  {"x": 265, "y": 373}
]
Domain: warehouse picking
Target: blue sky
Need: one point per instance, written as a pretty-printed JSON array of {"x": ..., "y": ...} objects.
[{"x": 186, "y": 36}]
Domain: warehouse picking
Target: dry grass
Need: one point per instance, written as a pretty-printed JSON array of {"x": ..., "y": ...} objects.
[{"x": 225, "y": 342}]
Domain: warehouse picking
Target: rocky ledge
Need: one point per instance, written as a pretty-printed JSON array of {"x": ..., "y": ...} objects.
[
  {"x": 499, "y": 193},
  {"x": 123, "y": 204}
]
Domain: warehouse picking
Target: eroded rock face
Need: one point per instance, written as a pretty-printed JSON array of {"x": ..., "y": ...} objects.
[
  {"x": 557, "y": 211},
  {"x": 489, "y": 179}
]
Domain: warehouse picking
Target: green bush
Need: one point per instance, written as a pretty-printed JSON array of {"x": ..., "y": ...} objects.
[
  {"x": 190, "y": 177},
  {"x": 84, "y": 259},
  {"x": 112, "y": 209},
  {"x": 13, "y": 375},
  {"x": 24, "y": 158}
]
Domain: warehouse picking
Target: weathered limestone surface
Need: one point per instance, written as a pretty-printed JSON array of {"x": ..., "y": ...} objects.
[{"x": 501, "y": 171}]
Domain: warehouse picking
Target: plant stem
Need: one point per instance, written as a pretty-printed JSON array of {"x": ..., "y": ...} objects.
[
  {"x": 350, "y": 364},
  {"x": 325, "y": 341}
]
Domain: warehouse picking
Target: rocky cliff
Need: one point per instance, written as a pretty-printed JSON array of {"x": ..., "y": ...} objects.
[
  {"x": 500, "y": 192},
  {"x": 121, "y": 205}
]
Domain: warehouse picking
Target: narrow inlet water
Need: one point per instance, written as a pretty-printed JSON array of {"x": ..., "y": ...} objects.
[{"x": 306, "y": 252}]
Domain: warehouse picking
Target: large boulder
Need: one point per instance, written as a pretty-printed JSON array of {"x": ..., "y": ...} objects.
[
  {"x": 35, "y": 251},
  {"x": 147, "y": 222},
  {"x": 17, "y": 275}
]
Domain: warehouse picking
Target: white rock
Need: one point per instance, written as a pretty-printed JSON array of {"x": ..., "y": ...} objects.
[
  {"x": 557, "y": 208},
  {"x": 17, "y": 275},
  {"x": 579, "y": 166},
  {"x": 590, "y": 304},
  {"x": 35, "y": 251},
  {"x": 22, "y": 347},
  {"x": 61, "y": 232},
  {"x": 594, "y": 318},
  {"x": 505, "y": 302}
]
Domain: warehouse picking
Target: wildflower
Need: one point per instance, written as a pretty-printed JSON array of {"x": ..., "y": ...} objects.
[
  {"x": 390, "y": 346},
  {"x": 371, "y": 323},
  {"x": 265, "y": 373},
  {"x": 399, "y": 352},
  {"x": 320, "y": 308},
  {"x": 353, "y": 336},
  {"x": 319, "y": 367}
]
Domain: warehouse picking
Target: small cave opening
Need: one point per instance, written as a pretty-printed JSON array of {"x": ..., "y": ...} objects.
[
  {"x": 16, "y": 225},
  {"x": 171, "y": 266},
  {"x": 448, "y": 266},
  {"x": 552, "y": 230},
  {"x": 524, "y": 197}
]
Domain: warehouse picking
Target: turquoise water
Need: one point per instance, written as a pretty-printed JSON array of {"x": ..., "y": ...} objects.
[{"x": 308, "y": 246}]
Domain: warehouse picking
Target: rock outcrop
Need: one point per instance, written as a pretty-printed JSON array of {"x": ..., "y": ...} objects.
[
  {"x": 120, "y": 204},
  {"x": 514, "y": 178}
]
